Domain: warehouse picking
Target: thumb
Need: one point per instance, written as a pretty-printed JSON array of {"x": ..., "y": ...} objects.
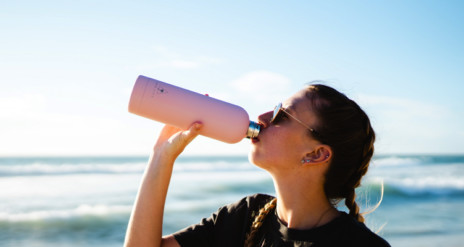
[{"x": 192, "y": 132}]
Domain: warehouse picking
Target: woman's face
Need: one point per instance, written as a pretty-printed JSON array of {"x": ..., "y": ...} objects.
[{"x": 283, "y": 144}]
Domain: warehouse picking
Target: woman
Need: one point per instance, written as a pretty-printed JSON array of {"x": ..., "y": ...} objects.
[{"x": 316, "y": 145}]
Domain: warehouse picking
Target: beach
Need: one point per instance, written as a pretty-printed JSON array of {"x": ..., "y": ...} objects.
[{"x": 86, "y": 201}]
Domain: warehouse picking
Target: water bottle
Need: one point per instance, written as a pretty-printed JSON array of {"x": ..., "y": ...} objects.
[{"x": 180, "y": 107}]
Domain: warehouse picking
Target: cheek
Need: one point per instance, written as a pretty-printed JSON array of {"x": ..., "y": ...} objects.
[{"x": 275, "y": 151}]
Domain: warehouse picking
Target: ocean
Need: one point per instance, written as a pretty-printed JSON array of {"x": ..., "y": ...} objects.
[{"x": 86, "y": 201}]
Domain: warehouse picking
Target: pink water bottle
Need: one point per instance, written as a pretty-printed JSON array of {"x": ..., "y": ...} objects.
[{"x": 179, "y": 107}]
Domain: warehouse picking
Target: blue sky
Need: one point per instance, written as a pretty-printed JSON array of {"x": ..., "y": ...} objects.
[{"x": 67, "y": 68}]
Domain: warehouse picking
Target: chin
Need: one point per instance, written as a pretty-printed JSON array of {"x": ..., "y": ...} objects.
[
  {"x": 252, "y": 157},
  {"x": 256, "y": 159}
]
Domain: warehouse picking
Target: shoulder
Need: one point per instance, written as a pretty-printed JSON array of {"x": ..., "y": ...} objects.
[
  {"x": 250, "y": 202},
  {"x": 359, "y": 234},
  {"x": 240, "y": 211},
  {"x": 256, "y": 199}
]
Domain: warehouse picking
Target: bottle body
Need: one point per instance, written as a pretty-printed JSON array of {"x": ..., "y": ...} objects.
[{"x": 180, "y": 107}]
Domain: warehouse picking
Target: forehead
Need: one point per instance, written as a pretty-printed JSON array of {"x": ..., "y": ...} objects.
[{"x": 297, "y": 102}]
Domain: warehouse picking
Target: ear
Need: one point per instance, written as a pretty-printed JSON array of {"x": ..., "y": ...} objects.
[{"x": 321, "y": 154}]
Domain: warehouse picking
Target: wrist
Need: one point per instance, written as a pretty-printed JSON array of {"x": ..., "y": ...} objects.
[{"x": 162, "y": 157}]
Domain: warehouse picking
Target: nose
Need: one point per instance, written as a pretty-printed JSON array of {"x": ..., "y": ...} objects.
[{"x": 265, "y": 118}]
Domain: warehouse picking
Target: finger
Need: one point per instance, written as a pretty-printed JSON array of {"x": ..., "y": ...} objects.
[{"x": 192, "y": 132}]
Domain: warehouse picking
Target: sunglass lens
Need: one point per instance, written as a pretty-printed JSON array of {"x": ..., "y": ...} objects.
[{"x": 277, "y": 115}]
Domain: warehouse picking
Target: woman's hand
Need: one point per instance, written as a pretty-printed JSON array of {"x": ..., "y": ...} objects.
[{"x": 172, "y": 140}]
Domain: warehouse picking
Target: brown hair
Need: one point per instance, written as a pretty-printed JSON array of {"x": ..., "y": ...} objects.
[{"x": 346, "y": 128}]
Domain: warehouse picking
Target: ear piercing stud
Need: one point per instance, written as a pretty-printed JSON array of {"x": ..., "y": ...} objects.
[{"x": 308, "y": 160}]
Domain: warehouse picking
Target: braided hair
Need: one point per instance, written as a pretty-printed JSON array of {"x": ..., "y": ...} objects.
[
  {"x": 346, "y": 128},
  {"x": 258, "y": 221}
]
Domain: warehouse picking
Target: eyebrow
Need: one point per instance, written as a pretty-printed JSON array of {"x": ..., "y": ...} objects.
[
  {"x": 289, "y": 109},
  {"x": 290, "y": 106}
]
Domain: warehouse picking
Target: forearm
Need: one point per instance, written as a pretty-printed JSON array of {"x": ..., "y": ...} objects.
[{"x": 146, "y": 222}]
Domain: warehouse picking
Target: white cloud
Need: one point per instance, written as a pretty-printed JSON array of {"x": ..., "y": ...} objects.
[
  {"x": 256, "y": 81},
  {"x": 409, "y": 126},
  {"x": 404, "y": 106},
  {"x": 12, "y": 106},
  {"x": 263, "y": 87},
  {"x": 165, "y": 58},
  {"x": 30, "y": 128},
  {"x": 178, "y": 64}
]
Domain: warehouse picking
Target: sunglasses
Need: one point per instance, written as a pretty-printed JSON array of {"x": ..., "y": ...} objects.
[{"x": 279, "y": 112}]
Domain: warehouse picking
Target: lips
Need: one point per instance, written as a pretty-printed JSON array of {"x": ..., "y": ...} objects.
[{"x": 254, "y": 140}]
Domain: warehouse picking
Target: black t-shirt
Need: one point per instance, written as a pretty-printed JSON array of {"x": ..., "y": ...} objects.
[{"x": 230, "y": 224}]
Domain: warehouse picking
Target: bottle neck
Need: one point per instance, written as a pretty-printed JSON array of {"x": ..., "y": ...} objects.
[{"x": 253, "y": 130}]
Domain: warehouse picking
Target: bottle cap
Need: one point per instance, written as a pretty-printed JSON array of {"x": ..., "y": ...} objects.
[{"x": 253, "y": 130}]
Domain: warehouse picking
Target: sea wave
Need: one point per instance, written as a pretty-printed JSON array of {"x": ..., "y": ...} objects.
[
  {"x": 40, "y": 168},
  {"x": 72, "y": 165},
  {"x": 62, "y": 169},
  {"x": 419, "y": 187},
  {"x": 80, "y": 211},
  {"x": 412, "y": 160},
  {"x": 397, "y": 161}
]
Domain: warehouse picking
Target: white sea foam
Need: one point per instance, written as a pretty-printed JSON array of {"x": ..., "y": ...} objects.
[
  {"x": 418, "y": 186},
  {"x": 38, "y": 168},
  {"x": 396, "y": 161},
  {"x": 214, "y": 166},
  {"x": 80, "y": 211},
  {"x": 429, "y": 185},
  {"x": 69, "y": 187},
  {"x": 41, "y": 168}
]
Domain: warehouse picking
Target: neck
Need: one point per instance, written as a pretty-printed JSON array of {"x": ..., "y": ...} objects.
[{"x": 302, "y": 206}]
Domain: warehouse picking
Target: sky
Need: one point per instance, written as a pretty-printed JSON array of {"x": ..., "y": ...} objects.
[{"x": 67, "y": 68}]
